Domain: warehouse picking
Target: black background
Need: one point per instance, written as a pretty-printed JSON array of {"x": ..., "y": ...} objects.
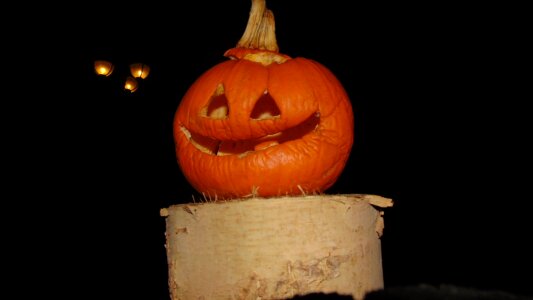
[{"x": 438, "y": 129}]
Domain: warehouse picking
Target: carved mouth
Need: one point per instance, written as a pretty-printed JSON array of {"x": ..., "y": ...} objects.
[{"x": 245, "y": 147}]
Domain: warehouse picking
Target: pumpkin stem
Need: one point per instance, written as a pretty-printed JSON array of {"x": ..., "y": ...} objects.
[{"x": 260, "y": 32}]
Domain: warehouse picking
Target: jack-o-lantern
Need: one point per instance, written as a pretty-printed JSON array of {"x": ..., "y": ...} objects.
[{"x": 263, "y": 123}]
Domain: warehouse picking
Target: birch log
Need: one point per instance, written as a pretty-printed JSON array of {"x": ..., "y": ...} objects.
[{"x": 275, "y": 248}]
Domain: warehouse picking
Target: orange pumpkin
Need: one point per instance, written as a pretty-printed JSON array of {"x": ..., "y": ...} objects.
[{"x": 263, "y": 123}]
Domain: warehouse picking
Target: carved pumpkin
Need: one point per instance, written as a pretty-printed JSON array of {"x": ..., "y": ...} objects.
[{"x": 263, "y": 124}]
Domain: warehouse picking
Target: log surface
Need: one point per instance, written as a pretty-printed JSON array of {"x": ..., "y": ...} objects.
[{"x": 275, "y": 248}]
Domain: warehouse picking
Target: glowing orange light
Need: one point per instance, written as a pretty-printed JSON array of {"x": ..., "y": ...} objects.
[
  {"x": 131, "y": 84},
  {"x": 139, "y": 70},
  {"x": 103, "y": 67}
]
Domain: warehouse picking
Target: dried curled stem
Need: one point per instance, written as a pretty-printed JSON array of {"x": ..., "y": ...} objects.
[{"x": 260, "y": 32}]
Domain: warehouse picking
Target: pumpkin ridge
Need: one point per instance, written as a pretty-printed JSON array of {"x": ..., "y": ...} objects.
[
  {"x": 333, "y": 90},
  {"x": 292, "y": 91}
]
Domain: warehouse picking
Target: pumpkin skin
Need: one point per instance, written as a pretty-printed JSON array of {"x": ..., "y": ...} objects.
[{"x": 301, "y": 149}]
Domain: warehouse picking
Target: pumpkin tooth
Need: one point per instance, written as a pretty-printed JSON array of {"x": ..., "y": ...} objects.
[{"x": 217, "y": 149}]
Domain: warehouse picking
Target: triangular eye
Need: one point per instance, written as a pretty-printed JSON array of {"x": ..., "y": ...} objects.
[
  {"x": 218, "y": 105},
  {"x": 265, "y": 108}
]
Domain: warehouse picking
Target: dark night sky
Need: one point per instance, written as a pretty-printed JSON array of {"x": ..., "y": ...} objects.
[{"x": 434, "y": 130}]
